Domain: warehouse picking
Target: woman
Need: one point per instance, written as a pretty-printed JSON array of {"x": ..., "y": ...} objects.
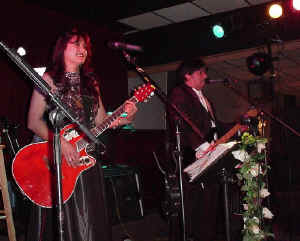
[{"x": 71, "y": 77}]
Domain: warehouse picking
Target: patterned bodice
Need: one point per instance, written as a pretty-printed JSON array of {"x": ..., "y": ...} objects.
[{"x": 83, "y": 106}]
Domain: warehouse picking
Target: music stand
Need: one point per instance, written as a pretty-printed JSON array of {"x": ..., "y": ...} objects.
[
  {"x": 201, "y": 166},
  {"x": 200, "y": 170}
]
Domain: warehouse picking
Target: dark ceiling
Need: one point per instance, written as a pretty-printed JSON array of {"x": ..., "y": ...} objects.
[
  {"x": 246, "y": 21},
  {"x": 106, "y": 13}
]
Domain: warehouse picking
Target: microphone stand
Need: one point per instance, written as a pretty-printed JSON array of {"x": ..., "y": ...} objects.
[
  {"x": 179, "y": 160},
  {"x": 266, "y": 112},
  {"x": 55, "y": 118},
  {"x": 146, "y": 78}
]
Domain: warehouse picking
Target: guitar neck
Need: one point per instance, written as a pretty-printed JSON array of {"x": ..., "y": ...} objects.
[
  {"x": 98, "y": 130},
  {"x": 233, "y": 130},
  {"x": 228, "y": 135}
]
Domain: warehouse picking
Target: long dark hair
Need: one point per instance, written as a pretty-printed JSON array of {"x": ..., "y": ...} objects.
[{"x": 56, "y": 67}]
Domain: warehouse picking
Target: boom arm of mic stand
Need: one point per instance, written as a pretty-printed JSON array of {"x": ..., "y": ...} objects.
[
  {"x": 263, "y": 110},
  {"x": 45, "y": 88},
  {"x": 146, "y": 78}
]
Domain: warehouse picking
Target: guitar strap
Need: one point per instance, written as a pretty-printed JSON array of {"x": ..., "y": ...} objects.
[
  {"x": 88, "y": 104},
  {"x": 87, "y": 107}
]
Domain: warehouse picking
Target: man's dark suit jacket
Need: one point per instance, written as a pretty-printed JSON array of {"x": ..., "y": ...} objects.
[
  {"x": 200, "y": 207},
  {"x": 187, "y": 101}
]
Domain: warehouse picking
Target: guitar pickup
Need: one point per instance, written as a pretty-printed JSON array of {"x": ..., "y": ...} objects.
[
  {"x": 85, "y": 160},
  {"x": 70, "y": 134}
]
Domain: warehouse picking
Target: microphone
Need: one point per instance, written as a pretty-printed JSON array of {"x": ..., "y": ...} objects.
[
  {"x": 124, "y": 46},
  {"x": 213, "y": 81}
]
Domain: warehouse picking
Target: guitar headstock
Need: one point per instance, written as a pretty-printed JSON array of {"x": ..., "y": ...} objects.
[
  {"x": 252, "y": 113},
  {"x": 144, "y": 92}
]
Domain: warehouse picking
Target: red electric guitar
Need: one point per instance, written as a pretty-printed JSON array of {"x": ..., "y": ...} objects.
[{"x": 32, "y": 167}]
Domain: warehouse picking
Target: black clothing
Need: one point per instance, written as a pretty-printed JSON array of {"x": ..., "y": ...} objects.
[
  {"x": 85, "y": 213},
  {"x": 200, "y": 204}
]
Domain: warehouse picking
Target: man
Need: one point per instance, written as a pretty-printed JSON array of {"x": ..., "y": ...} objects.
[{"x": 200, "y": 199}]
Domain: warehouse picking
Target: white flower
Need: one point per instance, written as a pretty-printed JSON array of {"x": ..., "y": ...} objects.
[
  {"x": 255, "y": 170},
  {"x": 255, "y": 229},
  {"x": 256, "y": 220},
  {"x": 260, "y": 146},
  {"x": 264, "y": 193},
  {"x": 241, "y": 155},
  {"x": 245, "y": 206},
  {"x": 267, "y": 213},
  {"x": 245, "y": 220}
]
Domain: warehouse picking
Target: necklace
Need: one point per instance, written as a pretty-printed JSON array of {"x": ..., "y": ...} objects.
[{"x": 73, "y": 77}]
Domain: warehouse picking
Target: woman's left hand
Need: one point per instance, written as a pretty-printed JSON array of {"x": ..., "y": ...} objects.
[{"x": 130, "y": 109}]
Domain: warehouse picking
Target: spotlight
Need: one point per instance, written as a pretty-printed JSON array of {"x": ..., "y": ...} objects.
[
  {"x": 275, "y": 11},
  {"x": 218, "y": 31},
  {"x": 259, "y": 63},
  {"x": 296, "y": 4},
  {"x": 21, "y": 51}
]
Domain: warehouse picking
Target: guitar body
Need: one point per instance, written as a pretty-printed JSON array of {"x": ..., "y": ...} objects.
[{"x": 33, "y": 169}]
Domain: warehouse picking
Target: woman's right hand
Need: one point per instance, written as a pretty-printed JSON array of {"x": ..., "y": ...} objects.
[{"x": 70, "y": 153}]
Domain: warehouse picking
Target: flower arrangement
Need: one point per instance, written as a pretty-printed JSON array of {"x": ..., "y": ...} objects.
[{"x": 252, "y": 173}]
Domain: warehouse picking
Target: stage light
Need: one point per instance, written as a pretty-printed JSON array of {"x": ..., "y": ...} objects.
[
  {"x": 21, "y": 51},
  {"x": 296, "y": 4},
  {"x": 275, "y": 11},
  {"x": 218, "y": 31},
  {"x": 259, "y": 63}
]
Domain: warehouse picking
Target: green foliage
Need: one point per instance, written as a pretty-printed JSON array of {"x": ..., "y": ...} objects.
[{"x": 252, "y": 173}]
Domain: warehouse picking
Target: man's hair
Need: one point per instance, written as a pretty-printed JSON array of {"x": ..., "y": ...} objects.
[{"x": 189, "y": 67}]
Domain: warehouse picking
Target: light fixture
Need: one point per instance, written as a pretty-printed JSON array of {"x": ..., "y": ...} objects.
[
  {"x": 21, "y": 51},
  {"x": 275, "y": 11},
  {"x": 259, "y": 63},
  {"x": 218, "y": 31},
  {"x": 296, "y": 5}
]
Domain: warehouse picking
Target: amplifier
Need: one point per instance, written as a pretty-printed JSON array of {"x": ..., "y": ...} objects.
[{"x": 123, "y": 192}]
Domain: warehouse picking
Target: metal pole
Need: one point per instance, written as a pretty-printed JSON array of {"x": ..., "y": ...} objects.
[
  {"x": 180, "y": 183},
  {"x": 226, "y": 203},
  {"x": 56, "y": 118}
]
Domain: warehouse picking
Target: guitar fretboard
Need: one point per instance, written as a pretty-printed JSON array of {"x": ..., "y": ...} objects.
[{"x": 98, "y": 130}]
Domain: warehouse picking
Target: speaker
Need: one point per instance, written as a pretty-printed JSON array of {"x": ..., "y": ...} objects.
[
  {"x": 151, "y": 115},
  {"x": 123, "y": 192}
]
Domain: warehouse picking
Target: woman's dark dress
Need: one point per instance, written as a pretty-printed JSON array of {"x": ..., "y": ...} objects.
[{"x": 85, "y": 213}]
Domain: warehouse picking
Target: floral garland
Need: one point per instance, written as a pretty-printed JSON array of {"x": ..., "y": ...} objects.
[{"x": 251, "y": 174}]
